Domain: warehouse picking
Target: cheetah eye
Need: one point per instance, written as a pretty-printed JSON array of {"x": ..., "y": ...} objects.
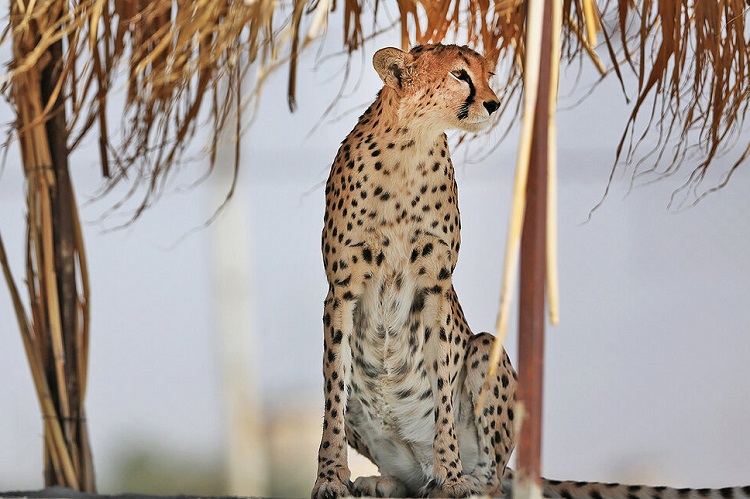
[{"x": 460, "y": 75}]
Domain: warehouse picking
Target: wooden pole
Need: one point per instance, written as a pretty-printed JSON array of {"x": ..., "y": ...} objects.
[{"x": 533, "y": 275}]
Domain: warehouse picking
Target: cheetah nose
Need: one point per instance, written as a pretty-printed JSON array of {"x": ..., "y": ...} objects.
[{"x": 491, "y": 106}]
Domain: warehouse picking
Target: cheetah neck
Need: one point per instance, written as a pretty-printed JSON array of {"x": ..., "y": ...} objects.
[
  {"x": 401, "y": 122},
  {"x": 397, "y": 175}
]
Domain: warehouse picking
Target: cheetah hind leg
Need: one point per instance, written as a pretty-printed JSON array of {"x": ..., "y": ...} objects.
[
  {"x": 494, "y": 425},
  {"x": 379, "y": 486}
]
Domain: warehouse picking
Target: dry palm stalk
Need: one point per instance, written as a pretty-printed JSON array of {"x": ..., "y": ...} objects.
[
  {"x": 55, "y": 339},
  {"x": 53, "y": 434},
  {"x": 592, "y": 23},
  {"x": 553, "y": 287}
]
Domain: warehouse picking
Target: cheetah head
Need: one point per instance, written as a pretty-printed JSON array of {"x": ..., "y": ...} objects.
[{"x": 445, "y": 86}]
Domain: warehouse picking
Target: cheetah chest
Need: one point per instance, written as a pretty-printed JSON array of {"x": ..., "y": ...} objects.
[
  {"x": 392, "y": 234},
  {"x": 389, "y": 378}
]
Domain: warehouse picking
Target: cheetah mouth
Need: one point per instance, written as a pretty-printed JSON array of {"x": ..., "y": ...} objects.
[
  {"x": 474, "y": 119},
  {"x": 476, "y": 123}
]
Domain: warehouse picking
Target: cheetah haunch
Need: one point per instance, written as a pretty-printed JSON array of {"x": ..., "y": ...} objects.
[{"x": 402, "y": 368}]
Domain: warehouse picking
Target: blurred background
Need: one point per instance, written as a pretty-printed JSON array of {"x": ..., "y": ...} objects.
[{"x": 206, "y": 345}]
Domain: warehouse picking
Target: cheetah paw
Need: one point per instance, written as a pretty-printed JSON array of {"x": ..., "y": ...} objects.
[
  {"x": 452, "y": 489},
  {"x": 329, "y": 489},
  {"x": 379, "y": 486}
]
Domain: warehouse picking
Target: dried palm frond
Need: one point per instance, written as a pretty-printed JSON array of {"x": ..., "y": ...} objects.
[
  {"x": 691, "y": 60},
  {"x": 185, "y": 60}
]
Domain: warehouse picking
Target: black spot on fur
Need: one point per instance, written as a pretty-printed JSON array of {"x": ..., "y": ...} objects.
[{"x": 367, "y": 255}]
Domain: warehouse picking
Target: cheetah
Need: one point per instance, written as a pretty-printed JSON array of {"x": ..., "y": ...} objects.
[{"x": 402, "y": 369}]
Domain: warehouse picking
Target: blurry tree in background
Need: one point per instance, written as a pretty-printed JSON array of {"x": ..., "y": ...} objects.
[{"x": 185, "y": 62}]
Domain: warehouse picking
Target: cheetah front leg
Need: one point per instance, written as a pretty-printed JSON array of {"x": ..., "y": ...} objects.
[
  {"x": 333, "y": 469},
  {"x": 433, "y": 263},
  {"x": 494, "y": 423},
  {"x": 448, "y": 479}
]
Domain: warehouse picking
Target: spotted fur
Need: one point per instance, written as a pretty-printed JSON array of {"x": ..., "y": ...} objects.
[
  {"x": 599, "y": 490},
  {"x": 402, "y": 368}
]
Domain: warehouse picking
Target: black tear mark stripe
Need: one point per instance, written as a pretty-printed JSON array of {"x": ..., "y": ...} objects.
[{"x": 463, "y": 112}]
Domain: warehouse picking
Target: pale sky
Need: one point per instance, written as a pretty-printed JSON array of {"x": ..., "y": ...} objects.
[{"x": 647, "y": 376}]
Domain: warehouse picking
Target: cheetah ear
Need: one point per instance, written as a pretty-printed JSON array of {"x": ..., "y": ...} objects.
[
  {"x": 490, "y": 63},
  {"x": 393, "y": 66}
]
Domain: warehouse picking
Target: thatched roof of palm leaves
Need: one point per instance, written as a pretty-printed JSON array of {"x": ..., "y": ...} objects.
[{"x": 185, "y": 60}]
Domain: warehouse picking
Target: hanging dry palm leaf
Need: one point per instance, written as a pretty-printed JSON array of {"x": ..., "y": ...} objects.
[
  {"x": 693, "y": 74},
  {"x": 185, "y": 60}
]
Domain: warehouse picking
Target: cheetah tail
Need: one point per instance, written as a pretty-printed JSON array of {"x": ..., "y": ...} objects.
[{"x": 600, "y": 490}]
